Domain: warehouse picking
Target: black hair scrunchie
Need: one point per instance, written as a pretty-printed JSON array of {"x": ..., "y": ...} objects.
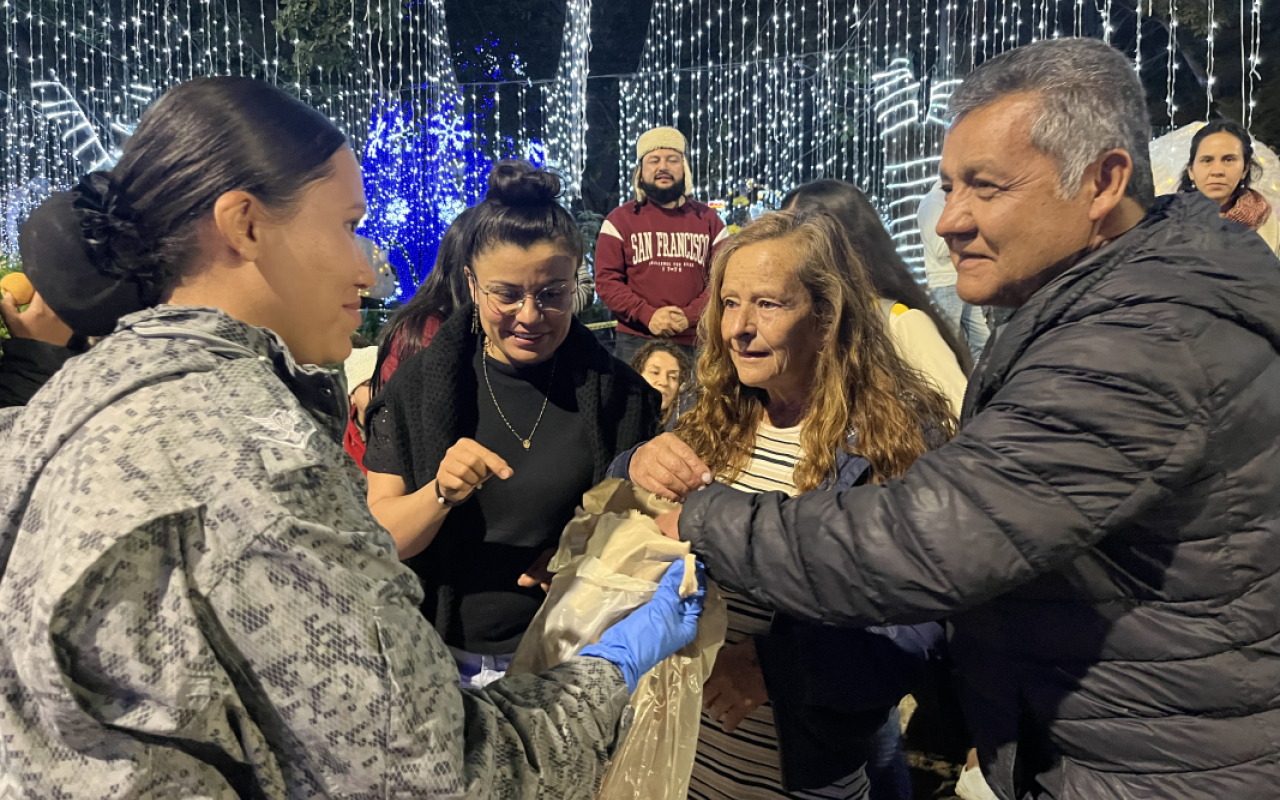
[
  {"x": 85, "y": 255},
  {"x": 109, "y": 224}
]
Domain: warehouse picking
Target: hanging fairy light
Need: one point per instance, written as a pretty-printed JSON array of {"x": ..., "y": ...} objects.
[
  {"x": 1255, "y": 25},
  {"x": 566, "y": 100},
  {"x": 776, "y": 92},
  {"x": 80, "y": 73},
  {"x": 766, "y": 90},
  {"x": 1137, "y": 50},
  {"x": 1208, "y": 83},
  {"x": 771, "y": 93},
  {"x": 1171, "y": 68}
]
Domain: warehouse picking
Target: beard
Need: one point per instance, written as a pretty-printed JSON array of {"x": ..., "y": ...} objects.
[{"x": 661, "y": 195}]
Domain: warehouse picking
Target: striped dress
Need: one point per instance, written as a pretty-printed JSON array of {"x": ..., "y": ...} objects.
[{"x": 744, "y": 765}]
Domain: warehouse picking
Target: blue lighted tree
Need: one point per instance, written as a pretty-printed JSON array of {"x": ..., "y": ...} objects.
[{"x": 423, "y": 166}]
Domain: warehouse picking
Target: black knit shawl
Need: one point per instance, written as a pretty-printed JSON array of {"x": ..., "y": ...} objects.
[{"x": 433, "y": 399}]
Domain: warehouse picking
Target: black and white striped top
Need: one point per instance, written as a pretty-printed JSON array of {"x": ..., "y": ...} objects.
[{"x": 744, "y": 765}]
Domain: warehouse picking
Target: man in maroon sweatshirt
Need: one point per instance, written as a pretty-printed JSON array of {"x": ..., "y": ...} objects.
[{"x": 654, "y": 255}]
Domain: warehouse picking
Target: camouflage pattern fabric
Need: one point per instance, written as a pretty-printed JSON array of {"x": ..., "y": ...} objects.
[{"x": 196, "y": 602}]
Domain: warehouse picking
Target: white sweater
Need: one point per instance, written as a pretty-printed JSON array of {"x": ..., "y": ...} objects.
[{"x": 922, "y": 346}]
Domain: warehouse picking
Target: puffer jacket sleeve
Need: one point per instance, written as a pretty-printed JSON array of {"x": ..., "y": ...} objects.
[{"x": 1094, "y": 424}]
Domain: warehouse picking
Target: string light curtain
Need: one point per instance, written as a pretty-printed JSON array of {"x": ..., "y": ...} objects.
[
  {"x": 775, "y": 93},
  {"x": 566, "y": 100},
  {"x": 79, "y": 73}
]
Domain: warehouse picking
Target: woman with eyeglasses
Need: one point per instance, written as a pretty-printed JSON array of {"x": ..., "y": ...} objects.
[{"x": 515, "y": 396}]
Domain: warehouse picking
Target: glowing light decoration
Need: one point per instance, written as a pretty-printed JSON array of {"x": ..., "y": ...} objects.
[
  {"x": 1255, "y": 46},
  {"x": 906, "y": 133},
  {"x": 1171, "y": 70},
  {"x": 16, "y": 204},
  {"x": 771, "y": 93},
  {"x": 1209, "y": 80},
  {"x": 79, "y": 74},
  {"x": 775, "y": 93},
  {"x": 566, "y": 100},
  {"x": 61, "y": 109},
  {"x": 412, "y": 183},
  {"x": 425, "y": 161}
]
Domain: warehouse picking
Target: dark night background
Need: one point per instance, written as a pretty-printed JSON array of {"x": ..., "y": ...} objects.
[
  {"x": 618, "y": 27},
  {"x": 320, "y": 33},
  {"x": 535, "y": 28}
]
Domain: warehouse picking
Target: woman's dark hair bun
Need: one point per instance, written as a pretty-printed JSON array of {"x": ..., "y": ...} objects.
[
  {"x": 516, "y": 184},
  {"x": 135, "y": 230},
  {"x": 116, "y": 243},
  {"x": 521, "y": 209}
]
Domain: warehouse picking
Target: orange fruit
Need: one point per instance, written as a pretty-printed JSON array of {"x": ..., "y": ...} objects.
[{"x": 18, "y": 285}]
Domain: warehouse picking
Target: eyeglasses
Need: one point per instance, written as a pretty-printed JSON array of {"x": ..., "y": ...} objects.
[{"x": 509, "y": 300}]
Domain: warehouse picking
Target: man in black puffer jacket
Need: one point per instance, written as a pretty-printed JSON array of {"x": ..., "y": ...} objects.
[{"x": 1104, "y": 533}]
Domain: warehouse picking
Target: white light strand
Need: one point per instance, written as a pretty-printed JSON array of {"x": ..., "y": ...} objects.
[
  {"x": 567, "y": 100},
  {"x": 1209, "y": 77},
  {"x": 79, "y": 74},
  {"x": 1171, "y": 64},
  {"x": 1254, "y": 60},
  {"x": 1137, "y": 50}
]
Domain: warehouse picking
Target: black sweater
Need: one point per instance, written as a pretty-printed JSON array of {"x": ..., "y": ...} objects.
[
  {"x": 435, "y": 398},
  {"x": 26, "y": 366}
]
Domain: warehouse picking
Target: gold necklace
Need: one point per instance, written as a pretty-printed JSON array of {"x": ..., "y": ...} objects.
[{"x": 526, "y": 441}]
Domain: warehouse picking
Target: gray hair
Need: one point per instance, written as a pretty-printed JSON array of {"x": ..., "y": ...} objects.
[{"x": 1091, "y": 101}]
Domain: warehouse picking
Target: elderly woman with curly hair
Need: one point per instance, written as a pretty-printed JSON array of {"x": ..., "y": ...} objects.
[{"x": 802, "y": 391}]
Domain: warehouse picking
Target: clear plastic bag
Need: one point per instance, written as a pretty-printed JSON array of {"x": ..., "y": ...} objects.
[{"x": 610, "y": 558}]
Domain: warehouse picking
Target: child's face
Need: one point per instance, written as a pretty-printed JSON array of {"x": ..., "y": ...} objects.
[{"x": 662, "y": 371}]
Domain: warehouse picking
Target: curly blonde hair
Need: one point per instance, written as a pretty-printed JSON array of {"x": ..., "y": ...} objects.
[{"x": 860, "y": 386}]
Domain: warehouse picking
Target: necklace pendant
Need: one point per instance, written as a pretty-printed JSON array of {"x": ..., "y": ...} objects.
[{"x": 526, "y": 444}]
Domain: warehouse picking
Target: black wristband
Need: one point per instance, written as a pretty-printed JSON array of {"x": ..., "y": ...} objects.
[{"x": 444, "y": 501}]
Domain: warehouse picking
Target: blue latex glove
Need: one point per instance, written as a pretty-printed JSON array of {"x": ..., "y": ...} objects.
[{"x": 655, "y": 630}]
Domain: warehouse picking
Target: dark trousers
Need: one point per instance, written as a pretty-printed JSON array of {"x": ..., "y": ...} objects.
[{"x": 887, "y": 771}]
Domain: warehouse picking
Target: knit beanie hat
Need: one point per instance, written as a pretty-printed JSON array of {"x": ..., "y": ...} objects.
[
  {"x": 660, "y": 139},
  {"x": 663, "y": 138}
]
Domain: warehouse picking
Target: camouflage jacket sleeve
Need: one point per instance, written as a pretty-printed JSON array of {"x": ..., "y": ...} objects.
[
  {"x": 370, "y": 690},
  {"x": 296, "y": 670},
  {"x": 213, "y": 599}
]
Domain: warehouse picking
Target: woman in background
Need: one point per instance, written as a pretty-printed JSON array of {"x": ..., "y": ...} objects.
[
  {"x": 919, "y": 331},
  {"x": 515, "y": 395},
  {"x": 1222, "y": 166},
  {"x": 667, "y": 367},
  {"x": 444, "y": 291}
]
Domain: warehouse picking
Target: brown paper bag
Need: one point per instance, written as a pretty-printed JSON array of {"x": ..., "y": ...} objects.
[{"x": 610, "y": 560}]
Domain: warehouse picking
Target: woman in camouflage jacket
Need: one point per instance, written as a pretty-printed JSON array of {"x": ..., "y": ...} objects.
[{"x": 194, "y": 598}]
